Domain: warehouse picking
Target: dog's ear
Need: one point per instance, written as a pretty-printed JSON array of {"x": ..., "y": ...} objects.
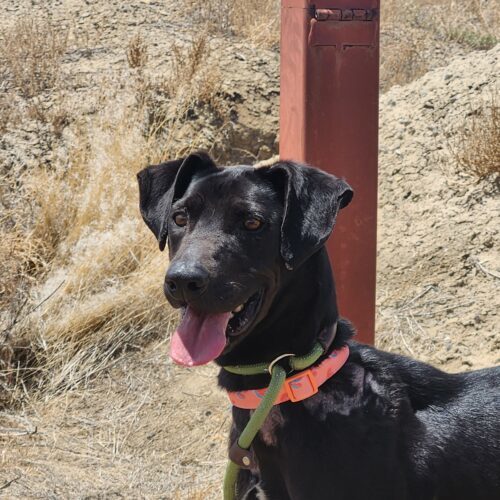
[
  {"x": 312, "y": 199},
  {"x": 161, "y": 185}
]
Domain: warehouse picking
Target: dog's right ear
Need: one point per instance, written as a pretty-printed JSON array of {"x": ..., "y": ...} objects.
[
  {"x": 161, "y": 185},
  {"x": 311, "y": 201}
]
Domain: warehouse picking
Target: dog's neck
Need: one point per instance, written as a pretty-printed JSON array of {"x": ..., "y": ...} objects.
[{"x": 304, "y": 306}]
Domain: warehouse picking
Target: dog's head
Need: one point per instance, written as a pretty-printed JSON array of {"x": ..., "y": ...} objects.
[{"x": 232, "y": 234}]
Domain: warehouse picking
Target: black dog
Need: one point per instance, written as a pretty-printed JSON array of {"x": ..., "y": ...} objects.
[{"x": 249, "y": 269}]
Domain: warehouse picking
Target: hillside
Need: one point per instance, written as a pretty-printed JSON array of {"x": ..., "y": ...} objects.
[{"x": 438, "y": 259}]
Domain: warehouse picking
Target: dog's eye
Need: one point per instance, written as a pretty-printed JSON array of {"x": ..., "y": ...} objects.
[
  {"x": 252, "y": 224},
  {"x": 180, "y": 218}
]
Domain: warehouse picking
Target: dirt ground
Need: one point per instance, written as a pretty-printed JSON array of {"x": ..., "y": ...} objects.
[{"x": 143, "y": 428}]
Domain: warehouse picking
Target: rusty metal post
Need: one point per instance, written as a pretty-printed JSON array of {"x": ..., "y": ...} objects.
[{"x": 329, "y": 119}]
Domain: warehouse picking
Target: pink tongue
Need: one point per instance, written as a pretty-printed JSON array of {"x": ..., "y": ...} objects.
[{"x": 199, "y": 338}]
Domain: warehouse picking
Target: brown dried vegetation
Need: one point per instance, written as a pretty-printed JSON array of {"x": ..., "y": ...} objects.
[
  {"x": 416, "y": 35},
  {"x": 476, "y": 146},
  {"x": 137, "y": 52},
  {"x": 79, "y": 274},
  {"x": 31, "y": 52},
  {"x": 257, "y": 21}
]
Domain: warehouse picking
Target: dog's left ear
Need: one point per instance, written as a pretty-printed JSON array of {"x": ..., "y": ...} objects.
[
  {"x": 161, "y": 185},
  {"x": 312, "y": 199}
]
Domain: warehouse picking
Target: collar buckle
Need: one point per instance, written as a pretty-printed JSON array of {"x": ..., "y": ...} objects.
[{"x": 301, "y": 386}]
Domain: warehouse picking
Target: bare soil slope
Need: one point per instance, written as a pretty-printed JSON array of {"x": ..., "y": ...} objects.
[{"x": 438, "y": 265}]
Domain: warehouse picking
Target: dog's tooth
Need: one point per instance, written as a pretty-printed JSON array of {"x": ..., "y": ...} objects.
[{"x": 238, "y": 309}]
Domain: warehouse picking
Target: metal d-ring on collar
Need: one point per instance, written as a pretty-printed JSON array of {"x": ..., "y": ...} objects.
[{"x": 274, "y": 361}]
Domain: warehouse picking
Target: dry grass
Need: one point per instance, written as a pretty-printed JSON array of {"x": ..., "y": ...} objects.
[
  {"x": 30, "y": 54},
  {"x": 81, "y": 280},
  {"x": 410, "y": 32},
  {"x": 123, "y": 435},
  {"x": 10, "y": 114},
  {"x": 137, "y": 52},
  {"x": 478, "y": 30},
  {"x": 256, "y": 21},
  {"x": 95, "y": 255},
  {"x": 403, "y": 61},
  {"x": 180, "y": 104},
  {"x": 473, "y": 23},
  {"x": 404, "y": 321},
  {"x": 22, "y": 257},
  {"x": 81, "y": 275},
  {"x": 23, "y": 261},
  {"x": 476, "y": 148}
]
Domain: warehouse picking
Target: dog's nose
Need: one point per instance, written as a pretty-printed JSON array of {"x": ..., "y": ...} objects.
[{"x": 185, "y": 282}]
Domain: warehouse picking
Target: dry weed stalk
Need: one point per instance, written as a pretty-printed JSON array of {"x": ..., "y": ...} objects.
[
  {"x": 405, "y": 321},
  {"x": 54, "y": 111},
  {"x": 401, "y": 57},
  {"x": 137, "y": 52},
  {"x": 21, "y": 253},
  {"x": 31, "y": 52},
  {"x": 477, "y": 148},
  {"x": 480, "y": 31},
  {"x": 403, "y": 62},
  {"x": 10, "y": 115}
]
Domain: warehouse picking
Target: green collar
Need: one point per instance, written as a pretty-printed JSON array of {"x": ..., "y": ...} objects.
[
  {"x": 295, "y": 362},
  {"x": 324, "y": 342}
]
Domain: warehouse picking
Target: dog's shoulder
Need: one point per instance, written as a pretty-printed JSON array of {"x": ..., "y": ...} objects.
[
  {"x": 366, "y": 385},
  {"x": 425, "y": 385},
  {"x": 386, "y": 384},
  {"x": 422, "y": 384}
]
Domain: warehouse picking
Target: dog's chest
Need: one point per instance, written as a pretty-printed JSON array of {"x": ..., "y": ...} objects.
[
  {"x": 338, "y": 399},
  {"x": 316, "y": 408},
  {"x": 273, "y": 423}
]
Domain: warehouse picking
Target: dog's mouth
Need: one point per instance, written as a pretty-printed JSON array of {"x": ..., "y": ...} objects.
[
  {"x": 202, "y": 337},
  {"x": 243, "y": 315}
]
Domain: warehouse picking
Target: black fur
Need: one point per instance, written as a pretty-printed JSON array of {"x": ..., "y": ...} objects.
[{"x": 385, "y": 427}]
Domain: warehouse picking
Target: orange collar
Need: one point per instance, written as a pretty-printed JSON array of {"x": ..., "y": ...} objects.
[{"x": 300, "y": 386}]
